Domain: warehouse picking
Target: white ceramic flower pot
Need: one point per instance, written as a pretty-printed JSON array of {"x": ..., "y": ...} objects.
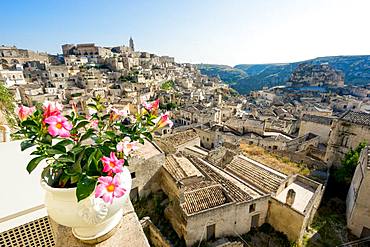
[{"x": 90, "y": 218}]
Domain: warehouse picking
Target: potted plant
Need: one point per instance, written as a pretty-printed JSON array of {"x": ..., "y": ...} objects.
[{"x": 85, "y": 157}]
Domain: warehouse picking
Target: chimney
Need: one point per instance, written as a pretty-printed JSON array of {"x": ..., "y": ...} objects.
[
  {"x": 290, "y": 197},
  {"x": 181, "y": 192}
]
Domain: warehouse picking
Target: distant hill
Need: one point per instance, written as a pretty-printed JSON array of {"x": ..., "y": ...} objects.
[{"x": 247, "y": 77}]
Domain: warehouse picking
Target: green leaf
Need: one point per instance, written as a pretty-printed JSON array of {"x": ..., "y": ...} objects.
[
  {"x": 26, "y": 144},
  {"x": 85, "y": 187},
  {"x": 92, "y": 106},
  {"x": 33, "y": 163},
  {"x": 74, "y": 179},
  {"x": 76, "y": 149},
  {"x": 66, "y": 159},
  {"x": 148, "y": 135},
  {"x": 63, "y": 180},
  {"x": 37, "y": 152},
  {"x": 87, "y": 135},
  {"x": 29, "y": 123},
  {"x": 77, "y": 165},
  {"x": 65, "y": 142},
  {"x": 82, "y": 123},
  {"x": 91, "y": 157},
  {"x": 111, "y": 134},
  {"x": 47, "y": 139},
  {"x": 56, "y": 149}
]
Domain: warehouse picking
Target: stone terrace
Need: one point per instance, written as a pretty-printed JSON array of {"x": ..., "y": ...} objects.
[
  {"x": 179, "y": 138},
  {"x": 257, "y": 175}
]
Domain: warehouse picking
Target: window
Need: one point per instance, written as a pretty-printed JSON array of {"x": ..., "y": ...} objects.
[
  {"x": 133, "y": 175},
  {"x": 252, "y": 208},
  {"x": 55, "y": 75},
  {"x": 345, "y": 141}
]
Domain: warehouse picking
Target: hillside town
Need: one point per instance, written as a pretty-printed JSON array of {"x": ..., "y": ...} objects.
[{"x": 231, "y": 164}]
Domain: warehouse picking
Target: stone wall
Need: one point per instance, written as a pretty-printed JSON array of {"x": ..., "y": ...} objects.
[
  {"x": 290, "y": 221},
  {"x": 146, "y": 173},
  {"x": 229, "y": 220},
  {"x": 168, "y": 185},
  {"x": 285, "y": 219},
  {"x": 344, "y": 136},
  {"x": 322, "y": 130},
  {"x": 208, "y": 138},
  {"x": 153, "y": 234},
  {"x": 358, "y": 206}
]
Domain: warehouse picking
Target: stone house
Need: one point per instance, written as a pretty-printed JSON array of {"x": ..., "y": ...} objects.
[
  {"x": 318, "y": 125},
  {"x": 212, "y": 199},
  {"x": 11, "y": 77},
  {"x": 348, "y": 132},
  {"x": 205, "y": 204},
  {"x": 144, "y": 166},
  {"x": 210, "y": 137},
  {"x": 358, "y": 204}
]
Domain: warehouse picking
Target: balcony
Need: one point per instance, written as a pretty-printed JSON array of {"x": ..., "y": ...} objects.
[{"x": 23, "y": 216}]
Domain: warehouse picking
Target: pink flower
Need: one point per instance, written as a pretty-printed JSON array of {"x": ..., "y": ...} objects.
[
  {"x": 163, "y": 120},
  {"x": 112, "y": 163},
  {"x": 51, "y": 108},
  {"x": 24, "y": 111},
  {"x": 94, "y": 123},
  {"x": 92, "y": 111},
  {"x": 58, "y": 126},
  {"x": 109, "y": 188},
  {"x": 127, "y": 147},
  {"x": 116, "y": 114},
  {"x": 153, "y": 106}
]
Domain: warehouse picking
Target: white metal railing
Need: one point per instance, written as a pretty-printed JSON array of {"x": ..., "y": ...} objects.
[{"x": 4, "y": 133}]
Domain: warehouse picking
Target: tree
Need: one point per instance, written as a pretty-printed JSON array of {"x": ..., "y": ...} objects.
[
  {"x": 168, "y": 85},
  {"x": 7, "y": 104},
  {"x": 345, "y": 173}
]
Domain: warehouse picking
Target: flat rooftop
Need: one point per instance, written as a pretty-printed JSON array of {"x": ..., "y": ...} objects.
[
  {"x": 147, "y": 150},
  {"x": 304, "y": 193}
]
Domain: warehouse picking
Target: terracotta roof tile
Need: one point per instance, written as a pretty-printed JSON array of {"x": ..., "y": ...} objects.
[
  {"x": 255, "y": 175},
  {"x": 203, "y": 198}
]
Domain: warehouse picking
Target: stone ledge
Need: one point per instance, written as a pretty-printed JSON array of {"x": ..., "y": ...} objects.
[{"x": 128, "y": 233}]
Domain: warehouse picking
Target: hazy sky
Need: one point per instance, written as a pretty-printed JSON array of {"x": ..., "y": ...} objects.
[{"x": 208, "y": 31}]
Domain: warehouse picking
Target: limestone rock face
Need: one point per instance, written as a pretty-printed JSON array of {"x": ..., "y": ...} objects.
[{"x": 316, "y": 75}]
